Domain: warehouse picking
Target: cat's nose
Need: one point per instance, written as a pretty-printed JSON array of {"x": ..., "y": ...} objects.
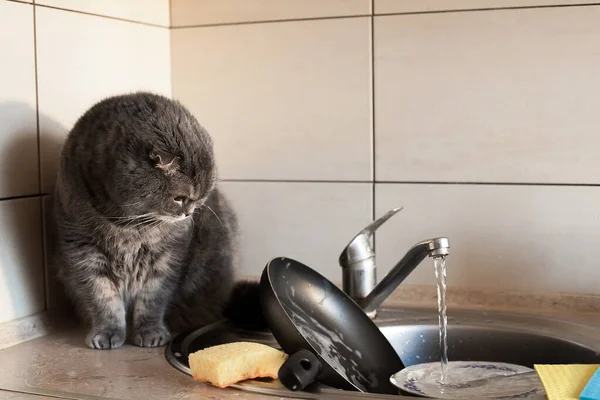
[{"x": 188, "y": 210}]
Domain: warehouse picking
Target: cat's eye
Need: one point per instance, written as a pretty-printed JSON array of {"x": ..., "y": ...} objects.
[{"x": 179, "y": 199}]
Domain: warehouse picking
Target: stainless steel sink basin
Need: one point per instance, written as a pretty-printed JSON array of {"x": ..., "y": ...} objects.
[{"x": 472, "y": 336}]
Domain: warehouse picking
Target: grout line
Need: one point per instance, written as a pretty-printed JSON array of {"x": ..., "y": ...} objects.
[
  {"x": 373, "y": 153},
  {"x": 489, "y": 183},
  {"x": 463, "y": 10},
  {"x": 290, "y": 181},
  {"x": 20, "y": 2},
  {"x": 26, "y": 196},
  {"x": 37, "y": 101},
  {"x": 388, "y": 182},
  {"x": 39, "y": 151},
  {"x": 44, "y": 255},
  {"x": 170, "y": 14},
  {"x": 373, "y": 126},
  {"x": 373, "y": 14},
  {"x": 270, "y": 21},
  {"x": 102, "y": 16},
  {"x": 171, "y": 58}
]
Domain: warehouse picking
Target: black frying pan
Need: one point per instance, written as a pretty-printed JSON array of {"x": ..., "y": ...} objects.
[{"x": 328, "y": 336}]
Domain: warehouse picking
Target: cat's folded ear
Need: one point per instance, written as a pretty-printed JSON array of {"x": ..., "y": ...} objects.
[{"x": 165, "y": 161}]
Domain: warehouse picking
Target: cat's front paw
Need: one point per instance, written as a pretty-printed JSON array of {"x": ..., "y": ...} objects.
[
  {"x": 151, "y": 336},
  {"x": 105, "y": 338}
]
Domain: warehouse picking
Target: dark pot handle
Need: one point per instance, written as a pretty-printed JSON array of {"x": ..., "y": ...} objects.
[{"x": 299, "y": 370}]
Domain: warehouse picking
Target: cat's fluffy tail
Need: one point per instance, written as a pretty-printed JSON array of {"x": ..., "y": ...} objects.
[{"x": 243, "y": 307}]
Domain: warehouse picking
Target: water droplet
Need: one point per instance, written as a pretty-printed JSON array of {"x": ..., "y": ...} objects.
[
  {"x": 407, "y": 342},
  {"x": 418, "y": 357}
]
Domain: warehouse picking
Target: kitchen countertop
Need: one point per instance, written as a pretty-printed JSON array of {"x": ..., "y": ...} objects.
[
  {"x": 60, "y": 365},
  {"x": 7, "y": 395}
]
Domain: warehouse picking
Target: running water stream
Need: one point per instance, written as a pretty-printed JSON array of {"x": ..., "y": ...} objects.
[
  {"x": 478, "y": 379},
  {"x": 440, "y": 274},
  {"x": 465, "y": 379}
]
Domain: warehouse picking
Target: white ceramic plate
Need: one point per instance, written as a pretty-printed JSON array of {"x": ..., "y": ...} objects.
[{"x": 470, "y": 379}]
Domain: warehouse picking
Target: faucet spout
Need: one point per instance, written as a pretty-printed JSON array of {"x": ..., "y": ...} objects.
[
  {"x": 437, "y": 247},
  {"x": 359, "y": 272}
]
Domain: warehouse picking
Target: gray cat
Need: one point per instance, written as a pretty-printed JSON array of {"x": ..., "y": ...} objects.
[{"x": 146, "y": 238}]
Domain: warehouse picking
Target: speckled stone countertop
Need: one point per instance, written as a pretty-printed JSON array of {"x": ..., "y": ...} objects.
[
  {"x": 59, "y": 365},
  {"x": 8, "y": 395}
]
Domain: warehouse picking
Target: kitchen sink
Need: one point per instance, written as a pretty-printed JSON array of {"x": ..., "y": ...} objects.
[{"x": 472, "y": 336}]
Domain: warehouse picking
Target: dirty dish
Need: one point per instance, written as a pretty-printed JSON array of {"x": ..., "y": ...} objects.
[{"x": 470, "y": 379}]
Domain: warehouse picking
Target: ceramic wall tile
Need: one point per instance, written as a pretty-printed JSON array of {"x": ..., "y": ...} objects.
[
  {"x": 308, "y": 222},
  {"x": 147, "y": 11},
  {"x": 281, "y": 100},
  {"x": 502, "y": 238},
  {"x": 18, "y": 129},
  {"x": 408, "y": 6},
  {"x": 21, "y": 259},
  {"x": 503, "y": 96},
  {"x": 83, "y": 59},
  {"x": 203, "y": 12}
]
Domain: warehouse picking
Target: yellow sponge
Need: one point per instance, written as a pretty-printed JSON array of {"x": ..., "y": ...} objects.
[
  {"x": 565, "y": 382},
  {"x": 225, "y": 364}
]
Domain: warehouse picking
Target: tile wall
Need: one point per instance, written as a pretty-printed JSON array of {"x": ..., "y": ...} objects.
[
  {"x": 58, "y": 58},
  {"x": 479, "y": 117}
]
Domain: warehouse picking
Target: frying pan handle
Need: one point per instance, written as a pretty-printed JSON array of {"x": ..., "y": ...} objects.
[{"x": 299, "y": 370}]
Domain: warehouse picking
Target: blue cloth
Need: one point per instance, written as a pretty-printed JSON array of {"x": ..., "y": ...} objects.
[{"x": 591, "y": 391}]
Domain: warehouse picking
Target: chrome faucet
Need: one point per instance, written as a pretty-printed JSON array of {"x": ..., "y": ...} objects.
[{"x": 359, "y": 274}]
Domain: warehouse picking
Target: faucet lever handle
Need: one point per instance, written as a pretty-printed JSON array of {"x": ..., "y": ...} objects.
[
  {"x": 360, "y": 247},
  {"x": 373, "y": 226}
]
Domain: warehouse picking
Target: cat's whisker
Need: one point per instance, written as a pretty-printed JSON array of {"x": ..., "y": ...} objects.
[
  {"x": 132, "y": 216},
  {"x": 129, "y": 204},
  {"x": 142, "y": 217},
  {"x": 140, "y": 222},
  {"x": 214, "y": 213},
  {"x": 131, "y": 221},
  {"x": 154, "y": 224}
]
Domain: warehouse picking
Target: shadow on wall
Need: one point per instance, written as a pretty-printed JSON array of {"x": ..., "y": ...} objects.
[
  {"x": 52, "y": 137},
  {"x": 19, "y": 166},
  {"x": 19, "y": 153},
  {"x": 20, "y": 255}
]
